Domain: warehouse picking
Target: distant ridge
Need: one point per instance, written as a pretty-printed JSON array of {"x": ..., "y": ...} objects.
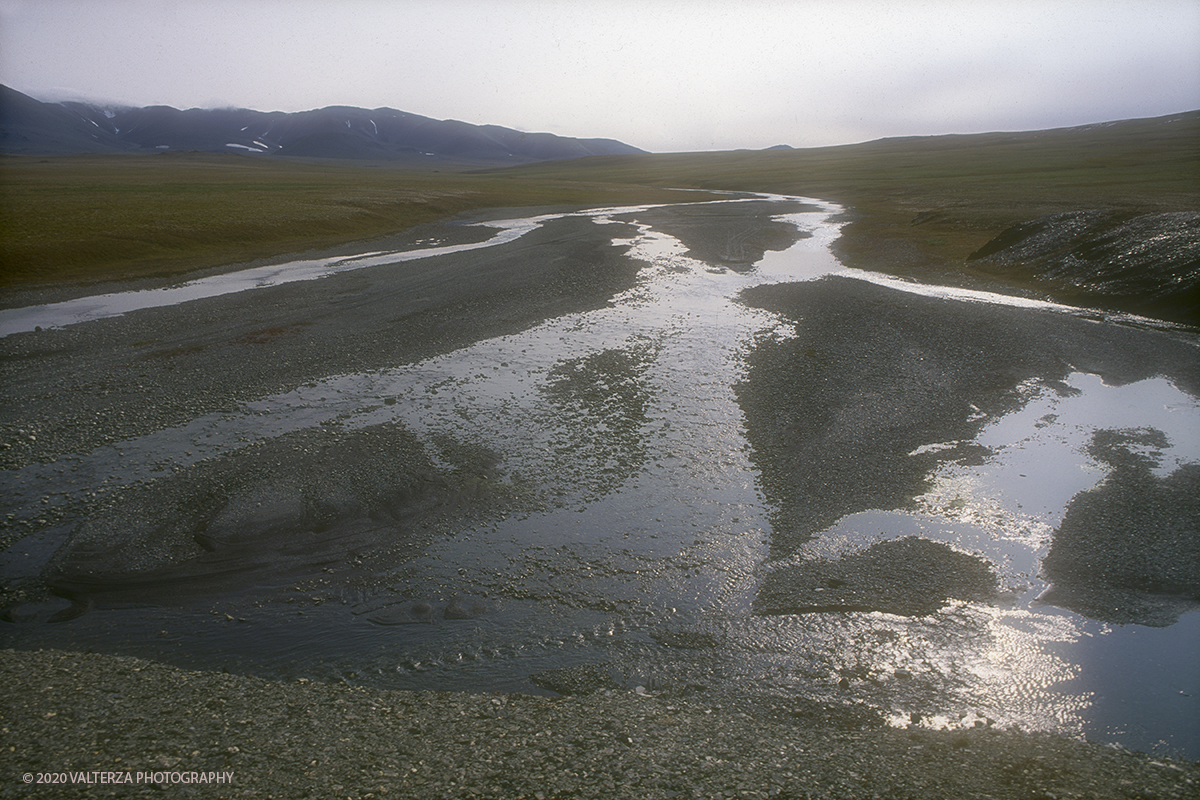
[{"x": 31, "y": 127}]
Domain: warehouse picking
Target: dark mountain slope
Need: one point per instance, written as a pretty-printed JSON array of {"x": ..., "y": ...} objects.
[{"x": 30, "y": 127}]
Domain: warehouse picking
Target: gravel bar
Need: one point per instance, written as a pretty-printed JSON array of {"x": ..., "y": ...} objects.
[
  {"x": 106, "y": 717},
  {"x": 101, "y": 717}
]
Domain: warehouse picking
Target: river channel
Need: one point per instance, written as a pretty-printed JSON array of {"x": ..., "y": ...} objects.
[{"x": 638, "y": 531}]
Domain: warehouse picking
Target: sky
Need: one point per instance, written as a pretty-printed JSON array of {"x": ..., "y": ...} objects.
[{"x": 663, "y": 75}]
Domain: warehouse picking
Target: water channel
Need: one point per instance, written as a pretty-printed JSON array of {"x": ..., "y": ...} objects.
[{"x": 649, "y": 535}]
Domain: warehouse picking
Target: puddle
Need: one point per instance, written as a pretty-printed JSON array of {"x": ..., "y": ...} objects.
[
  {"x": 1132, "y": 684},
  {"x": 647, "y": 532},
  {"x": 1040, "y": 459}
]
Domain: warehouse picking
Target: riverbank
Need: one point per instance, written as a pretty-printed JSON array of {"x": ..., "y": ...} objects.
[
  {"x": 69, "y": 712},
  {"x": 921, "y": 205}
]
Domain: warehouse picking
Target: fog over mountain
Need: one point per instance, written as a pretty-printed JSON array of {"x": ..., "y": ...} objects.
[{"x": 29, "y": 126}]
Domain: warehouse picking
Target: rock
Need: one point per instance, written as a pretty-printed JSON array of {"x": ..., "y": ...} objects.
[{"x": 465, "y": 608}]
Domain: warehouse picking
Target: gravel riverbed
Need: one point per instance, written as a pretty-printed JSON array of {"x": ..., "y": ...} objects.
[
  {"x": 77, "y": 713},
  {"x": 72, "y": 392}
]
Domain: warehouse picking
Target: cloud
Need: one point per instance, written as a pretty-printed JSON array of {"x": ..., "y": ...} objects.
[{"x": 662, "y": 75}]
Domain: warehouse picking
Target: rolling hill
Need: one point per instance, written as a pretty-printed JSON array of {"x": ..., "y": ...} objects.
[
  {"x": 31, "y": 127},
  {"x": 978, "y": 210}
]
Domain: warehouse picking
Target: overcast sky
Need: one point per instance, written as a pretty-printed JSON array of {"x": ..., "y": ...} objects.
[{"x": 664, "y": 75}]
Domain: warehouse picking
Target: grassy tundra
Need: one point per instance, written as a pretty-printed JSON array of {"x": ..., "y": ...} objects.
[
  {"x": 919, "y": 205},
  {"x": 99, "y": 217},
  {"x": 925, "y": 203}
]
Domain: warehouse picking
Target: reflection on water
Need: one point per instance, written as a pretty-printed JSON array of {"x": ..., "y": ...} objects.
[
  {"x": 1040, "y": 457},
  {"x": 1007, "y": 510},
  {"x": 645, "y": 532},
  {"x": 84, "y": 309},
  {"x": 1142, "y": 682}
]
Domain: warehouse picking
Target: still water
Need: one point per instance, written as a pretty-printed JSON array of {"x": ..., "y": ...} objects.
[{"x": 649, "y": 533}]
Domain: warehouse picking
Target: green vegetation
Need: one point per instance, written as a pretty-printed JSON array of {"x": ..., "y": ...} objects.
[
  {"x": 925, "y": 203},
  {"x": 918, "y": 204},
  {"x": 79, "y": 218}
]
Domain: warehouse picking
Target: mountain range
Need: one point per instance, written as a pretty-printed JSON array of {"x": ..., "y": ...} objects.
[{"x": 32, "y": 127}]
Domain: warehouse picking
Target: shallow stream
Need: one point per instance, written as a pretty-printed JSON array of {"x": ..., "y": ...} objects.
[{"x": 646, "y": 532}]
